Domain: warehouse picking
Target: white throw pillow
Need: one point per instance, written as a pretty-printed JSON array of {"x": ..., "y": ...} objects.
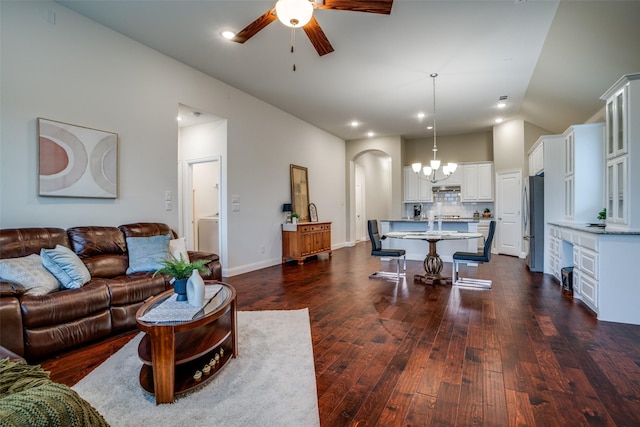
[
  {"x": 30, "y": 273},
  {"x": 178, "y": 247},
  {"x": 66, "y": 266}
]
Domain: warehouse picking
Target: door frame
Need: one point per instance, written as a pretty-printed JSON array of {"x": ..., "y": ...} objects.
[{"x": 187, "y": 222}]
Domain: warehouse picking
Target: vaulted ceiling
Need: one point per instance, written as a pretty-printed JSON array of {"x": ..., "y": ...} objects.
[{"x": 552, "y": 60}]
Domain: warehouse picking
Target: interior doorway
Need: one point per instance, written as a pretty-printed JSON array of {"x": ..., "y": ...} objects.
[
  {"x": 202, "y": 143},
  {"x": 371, "y": 190}
]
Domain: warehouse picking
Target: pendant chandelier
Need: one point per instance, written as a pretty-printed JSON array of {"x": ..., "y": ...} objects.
[{"x": 429, "y": 173}]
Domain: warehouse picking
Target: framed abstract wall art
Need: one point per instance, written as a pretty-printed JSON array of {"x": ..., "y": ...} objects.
[{"x": 76, "y": 161}]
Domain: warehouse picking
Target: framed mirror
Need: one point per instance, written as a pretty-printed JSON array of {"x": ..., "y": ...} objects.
[{"x": 300, "y": 192}]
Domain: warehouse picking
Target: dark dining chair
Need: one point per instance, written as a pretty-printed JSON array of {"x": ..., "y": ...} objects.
[
  {"x": 474, "y": 257},
  {"x": 377, "y": 251}
]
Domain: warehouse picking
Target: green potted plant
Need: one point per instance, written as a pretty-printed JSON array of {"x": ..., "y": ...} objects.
[
  {"x": 602, "y": 215},
  {"x": 294, "y": 217},
  {"x": 486, "y": 213},
  {"x": 180, "y": 270}
]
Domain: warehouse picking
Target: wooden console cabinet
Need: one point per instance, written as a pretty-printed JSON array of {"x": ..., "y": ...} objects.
[{"x": 309, "y": 238}]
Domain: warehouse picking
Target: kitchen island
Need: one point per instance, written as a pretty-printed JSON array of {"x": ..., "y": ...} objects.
[{"x": 417, "y": 249}]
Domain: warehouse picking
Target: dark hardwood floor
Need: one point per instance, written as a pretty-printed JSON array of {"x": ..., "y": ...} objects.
[{"x": 521, "y": 354}]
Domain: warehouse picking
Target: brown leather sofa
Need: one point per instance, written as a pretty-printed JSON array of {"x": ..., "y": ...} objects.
[{"x": 37, "y": 327}]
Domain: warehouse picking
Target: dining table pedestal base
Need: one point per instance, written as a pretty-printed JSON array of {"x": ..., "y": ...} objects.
[{"x": 432, "y": 266}]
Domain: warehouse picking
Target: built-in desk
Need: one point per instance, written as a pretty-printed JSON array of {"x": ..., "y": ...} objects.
[{"x": 605, "y": 268}]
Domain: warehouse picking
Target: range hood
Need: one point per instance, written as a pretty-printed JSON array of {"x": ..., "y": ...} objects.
[{"x": 445, "y": 188}]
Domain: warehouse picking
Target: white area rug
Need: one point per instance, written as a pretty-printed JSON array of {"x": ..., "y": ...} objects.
[{"x": 271, "y": 382}]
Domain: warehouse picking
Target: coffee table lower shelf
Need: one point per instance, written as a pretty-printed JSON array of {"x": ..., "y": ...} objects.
[{"x": 184, "y": 372}]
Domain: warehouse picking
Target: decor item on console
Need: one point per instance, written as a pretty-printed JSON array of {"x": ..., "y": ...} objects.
[
  {"x": 94, "y": 169},
  {"x": 486, "y": 213},
  {"x": 181, "y": 270},
  {"x": 37, "y": 325},
  {"x": 294, "y": 217},
  {"x": 286, "y": 208},
  {"x": 313, "y": 212},
  {"x": 300, "y": 191},
  {"x": 429, "y": 172}
]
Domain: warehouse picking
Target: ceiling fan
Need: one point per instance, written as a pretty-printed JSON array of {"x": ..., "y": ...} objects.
[{"x": 302, "y": 12}]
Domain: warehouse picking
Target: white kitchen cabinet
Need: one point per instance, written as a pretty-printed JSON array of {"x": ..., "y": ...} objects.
[
  {"x": 536, "y": 158},
  {"x": 477, "y": 183},
  {"x": 416, "y": 189},
  {"x": 583, "y": 172},
  {"x": 622, "y": 144}
]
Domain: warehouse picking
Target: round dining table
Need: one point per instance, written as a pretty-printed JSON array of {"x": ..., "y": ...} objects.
[{"x": 432, "y": 262}]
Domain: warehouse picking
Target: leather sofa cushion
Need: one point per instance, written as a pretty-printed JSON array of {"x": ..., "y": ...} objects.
[
  {"x": 146, "y": 229},
  {"x": 134, "y": 288},
  {"x": 102, "y": 249},
  {"x": 21, "y": 242},
  {"x": 43, "y": 342},
  {"x": 64, "y": 306}
]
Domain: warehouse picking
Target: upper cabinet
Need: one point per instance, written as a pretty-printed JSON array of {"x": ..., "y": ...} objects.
[
  {"x": 583, "y": 172},
  {"x": 536, "y": 158},
  {"x": 622, "y": 140},
  {"x": 477, "y": 185},
  {"x": 416, "y": 189}
]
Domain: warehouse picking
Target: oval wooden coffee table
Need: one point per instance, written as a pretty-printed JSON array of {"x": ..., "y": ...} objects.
[{"x": 173, "y": 352}]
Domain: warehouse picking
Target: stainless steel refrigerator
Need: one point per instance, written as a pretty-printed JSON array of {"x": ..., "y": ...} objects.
[{"x": 534, "y": 222}]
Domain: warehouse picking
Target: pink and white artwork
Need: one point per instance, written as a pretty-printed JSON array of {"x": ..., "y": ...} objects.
[{"x": 76, "y": 161}]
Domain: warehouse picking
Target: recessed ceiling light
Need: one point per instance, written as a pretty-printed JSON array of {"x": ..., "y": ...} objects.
[
  {"x": 354, "y": 124},
  {"x": 421, "y": 115},
  {"x": 501, "y": 104},
  {"x": 179, "y": 118},
  {"x": 370, "y": 134},
  {"x": 228, "y": 34},
  {"x": 429, "y": 127},
  {"x": 499, "y": 120}
]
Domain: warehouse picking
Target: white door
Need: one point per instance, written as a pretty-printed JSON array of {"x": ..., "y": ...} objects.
[
  {"x": 508, "y": 213},
  {"x": 360, "y": 234}
]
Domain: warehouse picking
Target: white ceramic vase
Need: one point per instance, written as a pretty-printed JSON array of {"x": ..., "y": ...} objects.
[{"x": 195, "y": 289}]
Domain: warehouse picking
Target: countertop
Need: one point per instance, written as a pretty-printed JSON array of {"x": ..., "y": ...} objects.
[
  {"x": 426, "y": 220},
  {"x": 593, "y": 230}
]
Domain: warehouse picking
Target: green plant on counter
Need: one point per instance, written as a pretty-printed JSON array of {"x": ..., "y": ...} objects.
[
  {"x": 294, "y": 215},
  {"x": 487, "y": 210},
  {"x": 602, "y": 215}
]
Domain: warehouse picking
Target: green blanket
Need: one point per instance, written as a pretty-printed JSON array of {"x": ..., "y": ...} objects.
[{"x": 29, "y": 398}]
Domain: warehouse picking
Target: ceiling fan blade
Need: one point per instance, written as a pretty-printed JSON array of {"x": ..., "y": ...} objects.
[
  {"x": 370, "y": 6},
  {"x": 318, "y": 39},
  {"x": 252, "y": 29}
]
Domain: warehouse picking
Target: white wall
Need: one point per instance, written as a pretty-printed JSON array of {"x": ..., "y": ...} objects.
[
  {"x": 79, "y": 72},
  {"x": 508, "y": 146}
]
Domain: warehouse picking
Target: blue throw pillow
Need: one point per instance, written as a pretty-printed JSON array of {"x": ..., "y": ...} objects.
[
  {"x": 66, "y": 266},
  {"x": 147, "y": 253}
]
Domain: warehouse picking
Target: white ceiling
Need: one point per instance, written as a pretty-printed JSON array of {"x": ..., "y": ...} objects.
[{"x": 552, "y": 59}]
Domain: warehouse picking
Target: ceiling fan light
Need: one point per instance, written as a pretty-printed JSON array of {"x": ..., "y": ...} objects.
[{"x": 294, "y": 13}]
